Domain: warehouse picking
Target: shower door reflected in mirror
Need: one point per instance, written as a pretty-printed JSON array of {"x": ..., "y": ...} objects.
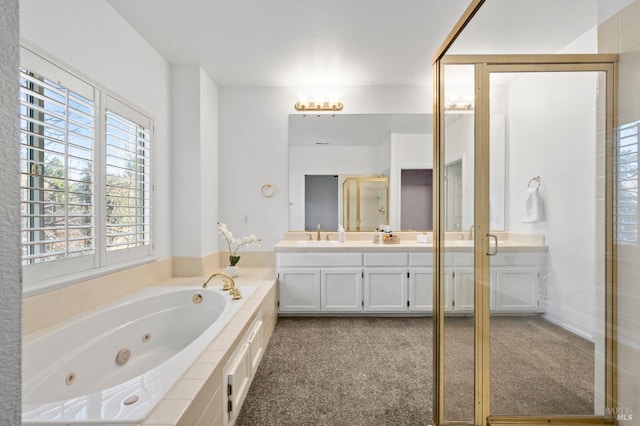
[{"x": 365, "y": 203}]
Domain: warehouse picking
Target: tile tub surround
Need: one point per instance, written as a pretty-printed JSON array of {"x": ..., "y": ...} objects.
[
  {"x": 50, "y": 309},
  {"x": 196, "y": 399}
]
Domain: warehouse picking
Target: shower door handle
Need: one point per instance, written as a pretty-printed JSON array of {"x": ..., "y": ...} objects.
[{"x": 495, "y": 239}]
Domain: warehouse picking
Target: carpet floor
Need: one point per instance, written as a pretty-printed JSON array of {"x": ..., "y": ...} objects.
[{"x": 378, "y": 371}]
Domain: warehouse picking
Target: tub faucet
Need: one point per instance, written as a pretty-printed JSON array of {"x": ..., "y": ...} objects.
[
  {"x": 228, "y": 281},
  {"x": 229, "y": 284}
]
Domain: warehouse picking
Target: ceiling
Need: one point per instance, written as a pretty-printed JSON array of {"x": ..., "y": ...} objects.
[
  {"x": 298, "y": 43},
  {"x": 303, "y": 43}
]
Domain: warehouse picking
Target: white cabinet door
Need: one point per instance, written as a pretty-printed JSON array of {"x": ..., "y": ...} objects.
[
  {"x": 463, "y": 294},
  {"x": 421, "y": 289},
  {"x": 238, "y": 379},
  {"x": 299, "y": 289},
  {"x": 385, "y": 289},
  {"x": 341, "y": 289},
  {"x": 517, "y": 289},
  {"x": 255, "y": 344}
]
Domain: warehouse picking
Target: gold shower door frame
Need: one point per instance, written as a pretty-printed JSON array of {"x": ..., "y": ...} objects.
[{"x": 484, "y": 66}]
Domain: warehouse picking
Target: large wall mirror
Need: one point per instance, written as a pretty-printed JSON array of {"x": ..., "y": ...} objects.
[{"x": 327, "y": 151}]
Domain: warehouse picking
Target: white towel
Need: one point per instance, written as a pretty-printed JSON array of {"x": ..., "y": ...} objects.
[{"x": 533, "y": 208}]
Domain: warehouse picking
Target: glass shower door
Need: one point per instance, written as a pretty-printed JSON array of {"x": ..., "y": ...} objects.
[{"x": 547, "y": 265}]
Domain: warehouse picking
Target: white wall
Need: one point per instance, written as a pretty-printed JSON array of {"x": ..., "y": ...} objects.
[
  {"x": 93, "y": 40},
  {"x": 253, "y": 125},
  {"x": 10, "y": 276},
  {"x": 194, "y": 162},
  {"x": 552, "y": 134}
]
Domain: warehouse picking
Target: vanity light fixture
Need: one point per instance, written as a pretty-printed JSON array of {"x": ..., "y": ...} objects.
[{"x": 318, "y": 106}]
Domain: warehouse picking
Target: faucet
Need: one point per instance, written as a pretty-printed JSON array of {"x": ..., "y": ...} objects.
[
  {"x": 229, "y": 284},
  {"x": 318, "y": 234},
  {"x": 471, "y": 231}
]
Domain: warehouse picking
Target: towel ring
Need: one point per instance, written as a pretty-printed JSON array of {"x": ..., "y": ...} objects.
[
  {"x": 536, "y": 181},
  {"x": 267, "y": 190}
]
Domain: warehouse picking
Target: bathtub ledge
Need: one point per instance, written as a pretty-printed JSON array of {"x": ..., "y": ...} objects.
[{"x": 196, "y": 399}]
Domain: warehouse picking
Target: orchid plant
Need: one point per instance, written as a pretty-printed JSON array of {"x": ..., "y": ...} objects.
[{"x": 237, "y": 242}]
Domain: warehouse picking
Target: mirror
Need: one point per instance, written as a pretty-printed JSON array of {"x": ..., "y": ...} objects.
[{"x": 396, "y": 146}]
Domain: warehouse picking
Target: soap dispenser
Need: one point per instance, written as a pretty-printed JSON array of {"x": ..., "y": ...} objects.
[{"x": 341, "y": 234}]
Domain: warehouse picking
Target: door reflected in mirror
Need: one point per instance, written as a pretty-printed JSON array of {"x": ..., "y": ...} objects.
[
  {"x": 365, "y": 204},
  {"x": 398, "y": 147}
]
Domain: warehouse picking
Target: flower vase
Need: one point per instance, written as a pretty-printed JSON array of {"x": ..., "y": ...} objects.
[{"x": 233, "y": 271}]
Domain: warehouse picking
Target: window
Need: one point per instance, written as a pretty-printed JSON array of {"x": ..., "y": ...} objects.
[
  {"x": 86, "y": 187},
  {"x": 626, "y": 214},
  {"x": 128, "y": 182},
  {"x": 57, "y": 167}
]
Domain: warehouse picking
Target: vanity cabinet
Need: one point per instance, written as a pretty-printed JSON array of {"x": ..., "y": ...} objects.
[
  {"x": 402, "y": 282},
  {"x": 421, "y": 289},
  {"x": 385, "y": 282},
  {"x": 299, "y": 289},
  {"x": 519, "y": 281},
  {"x": 320, "y": 282},
  {"x": 385, "y": 289},
  {"x": 463, "y": 290},
  {"x": 341, "y": 289},
  {"x": 421, "y": 283},
  {"x": 516, "y": 289}
]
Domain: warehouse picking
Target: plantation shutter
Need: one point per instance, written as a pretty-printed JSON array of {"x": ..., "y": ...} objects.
[
  {"x": 127, "y": 177},
  {"x": 57, "y": 160},
  {"x": 627, "y": 214}
]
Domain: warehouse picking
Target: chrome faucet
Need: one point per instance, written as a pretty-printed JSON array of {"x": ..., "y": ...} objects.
[
  {"x": 471, "y": 231},
  {"x": 229, "y": 284},
  {"x": 318, "y": 234}
]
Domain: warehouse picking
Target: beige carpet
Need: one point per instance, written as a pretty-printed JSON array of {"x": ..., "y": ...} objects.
[{"x": 378, "y": 371}]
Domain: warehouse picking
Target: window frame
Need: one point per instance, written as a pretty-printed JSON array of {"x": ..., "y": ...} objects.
[{"x": 48, "y": 275}]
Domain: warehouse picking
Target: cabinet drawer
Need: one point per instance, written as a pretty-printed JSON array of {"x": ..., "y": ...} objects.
[
  {"x": 385, "y": 259},
  {"x": 319, "y": 259},
  {"x": 421, "y": 259}
]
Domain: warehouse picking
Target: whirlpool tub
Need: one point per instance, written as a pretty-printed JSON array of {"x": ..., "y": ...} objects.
[{"x": 114, "y": 364}]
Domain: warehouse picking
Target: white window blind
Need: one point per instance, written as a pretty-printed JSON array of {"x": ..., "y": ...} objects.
[
  {"x": 128, "y": 182},
  {"x": 57, "y": 131},
  {"x": 86, "y": 177},
  {"x": 627, "y": 215}
]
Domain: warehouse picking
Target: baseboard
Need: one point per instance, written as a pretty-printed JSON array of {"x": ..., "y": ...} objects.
[{"x": 568, "y": 327}]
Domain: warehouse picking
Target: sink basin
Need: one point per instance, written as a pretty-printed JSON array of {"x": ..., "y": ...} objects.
[{"x": 323, "y": 243}]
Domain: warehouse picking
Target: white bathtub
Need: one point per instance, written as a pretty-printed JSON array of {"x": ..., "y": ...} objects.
[{"x": 71, "y": 375}]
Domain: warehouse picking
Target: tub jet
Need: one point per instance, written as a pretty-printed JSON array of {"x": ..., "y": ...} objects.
[
  {"x": 123, "y": 356},
  {"x": 130, "y": 400},
  {"x": 71, "y": 377}
]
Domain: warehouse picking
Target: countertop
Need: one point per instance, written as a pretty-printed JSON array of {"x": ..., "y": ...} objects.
[{"x": 403, "y": 245}]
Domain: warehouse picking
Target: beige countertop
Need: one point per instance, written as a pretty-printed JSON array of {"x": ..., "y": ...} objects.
[{"x": 404, "y": 245}]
